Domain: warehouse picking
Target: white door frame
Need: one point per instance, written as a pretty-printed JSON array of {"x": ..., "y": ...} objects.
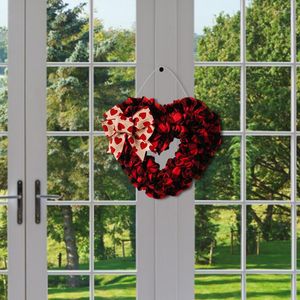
[
  {"x": 16, "y": 147},
  {"x": 36, "y": 148},
  {"x": 165, "y": 229}
]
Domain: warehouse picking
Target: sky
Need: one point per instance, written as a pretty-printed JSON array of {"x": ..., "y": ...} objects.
[{"x": 121, "y": 13}]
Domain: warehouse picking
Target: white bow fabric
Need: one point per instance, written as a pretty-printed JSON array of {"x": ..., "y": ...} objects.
[{"x": 137, "y": 129}]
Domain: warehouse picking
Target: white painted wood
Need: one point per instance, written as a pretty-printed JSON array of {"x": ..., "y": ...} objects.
[
  {"x": 186, "y": 211},
  {"x": 36, "y": 142},
  {"x": 166, "y": 221},
  {"x": 16, "y": 144},
  {"x": 145, "y": 212},
  {"x": 174, "y": 219}
]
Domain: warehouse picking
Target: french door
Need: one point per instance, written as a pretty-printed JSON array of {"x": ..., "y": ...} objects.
[
  {"x": 12, "y": 154},
  {"x": 85, "y": 232}
]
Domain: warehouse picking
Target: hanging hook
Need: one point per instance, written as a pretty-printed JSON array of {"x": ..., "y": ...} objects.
[{"x": 161, "y": 69}]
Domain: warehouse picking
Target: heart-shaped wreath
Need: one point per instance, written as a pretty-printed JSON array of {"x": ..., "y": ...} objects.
[{"x": 140, "y": 124}]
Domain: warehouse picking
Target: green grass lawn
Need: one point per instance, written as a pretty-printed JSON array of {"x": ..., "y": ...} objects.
[
  {"x": 273, "y": 255},
  {"x": 106, "y": 287},
  {"x": 109, "y": 264},
  {"x": 228, "y": 287}
]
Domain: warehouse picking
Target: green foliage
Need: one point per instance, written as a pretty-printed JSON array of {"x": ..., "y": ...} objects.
[
  {"x": 220, "y": 42},
  {"x": 268, "y": 168},
  {"x": 111, "y": 183},
  {"x": 219, "y": 87},
  {"x": 68, "y": 109},
  {"x": 268, "y": 98},
  {"x": 268, "y": 30},
  {"x": 206, "y": 230},
  {"x": 68, "y": 99},
  {"x": 223, "y": 173},
  {"x": 67, "y": 32},
  {"x": 3, "y": 165},
  {"x": 3, "y": 99},
  {"x": 268, "y": 108},
  {"x": 3, "y": 237},
  {"x": 3, "y": 44}
]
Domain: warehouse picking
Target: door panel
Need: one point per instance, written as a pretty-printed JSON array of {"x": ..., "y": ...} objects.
[
  {"x": 36, "y": 143},
  {"x": 101, "y": 239},
  {"x": 87, "y": 237},
  {"x": 12, "y": 107}
]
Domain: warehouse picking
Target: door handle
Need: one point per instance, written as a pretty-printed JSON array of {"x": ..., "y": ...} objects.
[
  {"x": 19, "y": 198},
  {"x": 38, "y": 198}
]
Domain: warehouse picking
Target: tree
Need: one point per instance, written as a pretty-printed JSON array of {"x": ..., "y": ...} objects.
[
  {"x": 268, "y": 108},
  {"x": 205, "y": 231},
  {"x": 3, "y": 44},
  {"x": 68, "y": 109}
]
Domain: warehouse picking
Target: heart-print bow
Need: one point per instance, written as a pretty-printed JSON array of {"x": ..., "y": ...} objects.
[{"x": 137, "y": 129}]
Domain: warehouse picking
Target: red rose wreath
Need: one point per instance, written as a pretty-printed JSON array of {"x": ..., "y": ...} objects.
[{"x": 141, "y": 124}]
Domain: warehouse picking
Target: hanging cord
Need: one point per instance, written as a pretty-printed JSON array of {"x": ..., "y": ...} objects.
[{"x": 161, "y": 68}]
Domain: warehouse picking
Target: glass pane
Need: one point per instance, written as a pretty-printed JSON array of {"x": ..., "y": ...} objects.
[
  {"x": 268, "y": 168},
  {"x": 221, "y": 181},
  {"x": 68, "y": 237},
  {"x": 3, "y": 238},
  {"x": 298, "y": 90},
  {"x": 269, "y": 287},
  {"x": 110, "y": 181},
  {"x": 121, "y": 287},
  {"x": 268, "y": 98},
  {"x": 3, "y": 99},
  {"x": 219, "y": 88},
  {"x": 3, "y": 30},
  {"x": 217, "y": 240},
  {"x": 298, "y": 168},
  {"x": 68, "y": 99},
  {"x": 114, "y": 30},
  {"x": 3, "y": 165},
  {"x": 298, "y": 238},
  {"x": 268, "y": 30},
  {"x": 115, "y": 242},
  {"x": 68, "y": 30},
  {"x": 298, "y": 28},
  {"x": 68, "y": 167},
  {"x": 212, "y": 287},
  {"x": 217, "y": 30},
  {"x": 112, "y": 86},
  {"x": 3, "y": 287},
  {"x": 68, "y": 287},
  {"x": 268, "y": 236}
]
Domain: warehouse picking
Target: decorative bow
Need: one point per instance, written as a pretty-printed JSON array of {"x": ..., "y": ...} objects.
[{"x": 137, "y": 129}]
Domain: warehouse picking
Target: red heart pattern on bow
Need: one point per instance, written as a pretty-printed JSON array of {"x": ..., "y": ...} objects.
[{"x": 137, "y": 129}]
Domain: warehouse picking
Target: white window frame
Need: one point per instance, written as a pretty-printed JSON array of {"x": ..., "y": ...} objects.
[{"x": 244, "y": 133}]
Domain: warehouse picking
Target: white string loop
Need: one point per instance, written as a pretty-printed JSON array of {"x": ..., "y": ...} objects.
[{"x": 171, "y": 72}]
